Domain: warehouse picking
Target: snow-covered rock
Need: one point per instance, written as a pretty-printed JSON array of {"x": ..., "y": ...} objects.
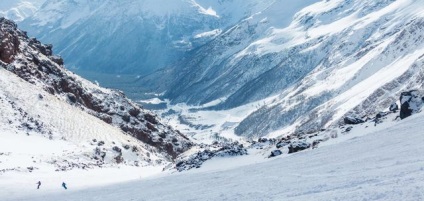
[
  {"x": 410, "y": 102},
  {"x": 203, "y": 153},
  {"x": 352, "y": 120},
  {"x": 275, "y": 153},
  {"x": 394, "y": 107},
  {"x": 298, "y": 146}
]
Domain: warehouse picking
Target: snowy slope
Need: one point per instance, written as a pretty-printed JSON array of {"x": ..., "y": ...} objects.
[
  {"x": 385, "y": 164},
  {"x": 40, "y": 131},
  {"x": 305, "y": 68}
]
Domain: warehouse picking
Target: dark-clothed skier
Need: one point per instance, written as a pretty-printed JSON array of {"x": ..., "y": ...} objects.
[
  {"x": 39, "y": 184},
  {"x": 64, "y": 185}
]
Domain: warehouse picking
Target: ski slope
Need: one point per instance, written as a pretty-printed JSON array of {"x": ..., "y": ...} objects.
[{"x": 385, "y": 164}]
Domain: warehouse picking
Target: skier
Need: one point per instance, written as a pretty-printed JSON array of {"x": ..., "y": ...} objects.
[
  {"x": 64, "y": 185},
  {"x": 39, "y": 184}
]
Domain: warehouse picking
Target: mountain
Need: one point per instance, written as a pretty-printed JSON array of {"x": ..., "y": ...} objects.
[
  {"x": 271, "y": 68},
  {"x": 131, "y": 36},
  {"x": 71, "y": 122},
  {"x": 18, "y": 10},
  {"x": 305, "y": 64}
]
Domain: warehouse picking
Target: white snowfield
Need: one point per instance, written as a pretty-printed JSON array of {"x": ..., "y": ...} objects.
[{"x": 385, "y": 164}]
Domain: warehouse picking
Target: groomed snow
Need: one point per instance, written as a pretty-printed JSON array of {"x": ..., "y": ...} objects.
[{"x": 386, "y": 164}]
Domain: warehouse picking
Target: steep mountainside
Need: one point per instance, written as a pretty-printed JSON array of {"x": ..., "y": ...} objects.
[
  {"x": 131, "y": 36},
  {"x": 310, "y": 63},
  {"x": 35, "y": 63}
]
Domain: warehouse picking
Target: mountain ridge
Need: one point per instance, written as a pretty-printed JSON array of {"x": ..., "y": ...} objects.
[{"x": 35, "y": 63}]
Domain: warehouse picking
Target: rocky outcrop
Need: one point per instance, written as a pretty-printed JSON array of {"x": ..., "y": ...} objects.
[
  {"x": 352, "y": 120},
  {"x": 35, "y": 63},
  {"x": 411, "y": 103},
  {"x": 298, "y": 146},
  {"x": 275, "y": 153},
  {"x": 9, "y": 43},
  {"x": 207, "y": 152}
]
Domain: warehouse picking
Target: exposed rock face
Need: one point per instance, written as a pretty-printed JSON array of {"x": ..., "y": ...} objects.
[
  {"x": 35, "y": 63},
  {"x": 275, "y": 153},
  {"x": 9, "y": 44},
  {"x": 207, "y": 152},
  {"x": 298, "y": 146},
  {"x": 353, "y": 120},
  {"x": 411, "y": 103}
]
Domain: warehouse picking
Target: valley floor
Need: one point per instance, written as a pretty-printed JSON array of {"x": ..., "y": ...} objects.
[{"x": 383, "y": 165}]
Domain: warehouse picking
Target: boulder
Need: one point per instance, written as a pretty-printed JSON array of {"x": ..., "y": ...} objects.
[
  {"x": 394, "y": 107},
  {"x": 262, "y": 140},
  {"x": 282, "y": 144},
  {"x": 411, "y": 103},
  {"x": 117, "y": 149},
  {"x": 353, "y": 120},
  {"x": 298, "y": 146},
  {"x": 275, "y": 153}
]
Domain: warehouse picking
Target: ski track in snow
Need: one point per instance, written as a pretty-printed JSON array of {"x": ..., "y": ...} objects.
[{"x": 382, "y": 165}]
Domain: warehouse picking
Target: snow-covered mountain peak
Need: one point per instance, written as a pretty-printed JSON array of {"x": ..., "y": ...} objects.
[{"x": 18, "y": 10}]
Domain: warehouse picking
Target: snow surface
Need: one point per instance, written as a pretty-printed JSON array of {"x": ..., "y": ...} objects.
[{"x": 375, "y": 163}]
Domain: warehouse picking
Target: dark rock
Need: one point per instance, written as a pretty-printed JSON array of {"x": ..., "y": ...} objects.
[
  {"x": 275, "y": 153},
  {"x": 119, "y": 159},
  {"x": 135, "y": 149},
  {"x": 315, "y": 143},
  {"x": 101, "y": 143},
  {"x": 394, "y": 107},
  {"x": 72, "y": 98},
  {"x": 196, "y": 160},
  {"x": 117, "y": 149},
  {"x": 162, "y": 135},
  {"x": 134, "y": 112},
  {"x": 58, "y": 60},
  {"x": 298, "y": 146},
  {"x": 126, "y": 118},
  {"x": 151, "y": 127},
  {"x": 9, "y": 42},
  {"x": 410, "y": 102},
  {"x": 282, "y": 144},
  {"x": 262, "y": 140},
  {"x": 150, "y": 118},
  {"x": 352, "y": 120}
]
